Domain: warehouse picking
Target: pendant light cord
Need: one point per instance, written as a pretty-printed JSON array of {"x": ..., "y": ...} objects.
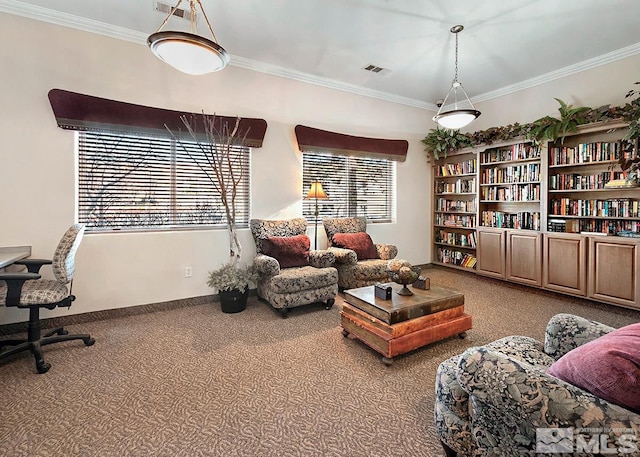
[{"x": 455, "y": 75}]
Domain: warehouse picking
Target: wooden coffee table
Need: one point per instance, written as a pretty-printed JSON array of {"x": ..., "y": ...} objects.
[{"x": 404, "y": 323}]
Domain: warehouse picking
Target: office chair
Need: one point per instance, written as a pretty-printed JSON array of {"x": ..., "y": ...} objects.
[{"x": 27, "y": 290}]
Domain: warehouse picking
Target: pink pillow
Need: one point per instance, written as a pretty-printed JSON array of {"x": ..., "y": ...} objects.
[
  {"x": 289, "y": 251},
  {"x": 359, "y": 242},
  {"x": 608, "y": 367}
]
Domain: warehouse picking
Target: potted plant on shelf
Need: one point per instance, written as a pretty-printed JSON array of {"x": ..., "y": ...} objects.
[
  {"x": 440, "y": 142},
  {"x": 232, "y": 282},
  {"x": 631, "y": 164},
  {"x": 216, "y": 139}
]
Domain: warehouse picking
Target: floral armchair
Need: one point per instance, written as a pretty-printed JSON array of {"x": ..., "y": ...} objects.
[
  {"x": 359, "y": 262},
  {"x": 498, "y": 400},
  {"x": 289, "y": 273}
]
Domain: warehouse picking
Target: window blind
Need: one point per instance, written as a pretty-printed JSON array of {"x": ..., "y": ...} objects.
[
  {"x": 128, "y": 181},
  {"x": 356, "y": 186}
]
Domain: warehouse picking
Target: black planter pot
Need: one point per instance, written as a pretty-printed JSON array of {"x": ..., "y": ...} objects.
[{"x": 233, "y": 301}]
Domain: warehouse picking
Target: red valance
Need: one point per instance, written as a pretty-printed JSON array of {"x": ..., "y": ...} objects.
[
  {"x": 85, "y": 112},
  {"x": 316, "y": 140}
]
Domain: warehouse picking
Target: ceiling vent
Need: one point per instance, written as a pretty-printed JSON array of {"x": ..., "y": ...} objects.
[
  {"x": 376, "y": 69},
  {"x": 179, "y": 12}
]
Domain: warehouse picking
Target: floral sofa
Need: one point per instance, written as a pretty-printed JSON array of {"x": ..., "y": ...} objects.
[
  {"x": 354, "y": 270},
  {"x": 289, "y": 273},
  {"x": 498, "y": 400}
]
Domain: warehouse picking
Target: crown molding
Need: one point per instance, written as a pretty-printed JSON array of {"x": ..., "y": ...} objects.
[{"x": 39, "y": 13}]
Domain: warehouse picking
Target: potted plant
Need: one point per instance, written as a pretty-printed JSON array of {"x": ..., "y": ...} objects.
[
  {"x": 232, "y": 282},
  {"x": 216, "y": 138},
  {"x": 631, "y": 164},
  {"x": 439, "y": 142}
]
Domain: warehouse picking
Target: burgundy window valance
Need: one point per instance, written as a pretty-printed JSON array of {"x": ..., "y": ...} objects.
[
  {"x": 316, "y": 140},
  {"x": 85, "y": 112}
]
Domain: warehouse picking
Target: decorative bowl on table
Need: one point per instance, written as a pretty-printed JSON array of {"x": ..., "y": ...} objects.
[{"x": 402, "y": 272}]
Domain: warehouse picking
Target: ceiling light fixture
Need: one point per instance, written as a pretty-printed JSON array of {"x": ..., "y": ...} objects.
[
  {"x": 189, "y": 52},
  {"x": 456, "y": 118}
]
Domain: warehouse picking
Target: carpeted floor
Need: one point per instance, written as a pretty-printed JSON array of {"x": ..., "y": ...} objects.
[{"x": 194, "y": 381}]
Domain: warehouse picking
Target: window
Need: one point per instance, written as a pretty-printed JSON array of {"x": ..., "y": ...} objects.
[
  {"x": 134, "y": 181},
  {"x": 356, "y": 186}
]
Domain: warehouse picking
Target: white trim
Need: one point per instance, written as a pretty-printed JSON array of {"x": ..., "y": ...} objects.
[{"x": 89, "y": 25}]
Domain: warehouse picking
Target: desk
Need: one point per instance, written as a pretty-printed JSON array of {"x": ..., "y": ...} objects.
[{"x": 10, "y": 254}]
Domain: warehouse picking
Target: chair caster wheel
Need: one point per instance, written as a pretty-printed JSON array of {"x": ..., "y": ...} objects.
[
  {"x": 89, "y": 341},
  {"x": 43, "y": 367},
  {"x": 387, "y": 361},
  {"x": 462, "y": 335},
  {"x": 345, "y": 333}
]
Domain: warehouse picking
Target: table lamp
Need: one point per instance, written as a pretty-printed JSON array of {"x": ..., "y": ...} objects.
[{"x": 316, "y": 192}]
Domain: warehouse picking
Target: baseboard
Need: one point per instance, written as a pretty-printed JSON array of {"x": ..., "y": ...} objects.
[{"x": 73, "y": 319}]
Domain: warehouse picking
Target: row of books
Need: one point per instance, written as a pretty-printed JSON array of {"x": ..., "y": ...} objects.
[
  {"x": 464, "y": 206},
  {"x": 585, "y": 153},
  {"x": 563, "y": 225},
  {"x": 629, "y": 229},
  {"x": 454, "y": 257},
  {"x": 512, "y": 193},
  {"x": 458, "y": 186},
  {"x": 512, "y": 174},
  {"x": 456, "y": 238},
  {"x": 461, "y": 168},
  {"x": 514, "y": 152},
  {"x": 522, "y": 220},
  {"x": 455, "y": 220},
  {"x": 576, "y": 181},
  {"x": 615, "y": 207}
]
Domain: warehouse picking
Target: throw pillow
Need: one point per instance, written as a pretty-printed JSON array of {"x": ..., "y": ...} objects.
[
  {"x": 359, "y": 242},
  {"x": 289, "y": 251},
  {"x": 608, "y": 367}
]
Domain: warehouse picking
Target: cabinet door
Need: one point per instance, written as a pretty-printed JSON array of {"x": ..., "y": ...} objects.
[
  {"x": 490, "y": 252},
  {"x": 524, "y": 257},
  {"x": 614, "y": 271},
  {"x": 565, "y": 263}
]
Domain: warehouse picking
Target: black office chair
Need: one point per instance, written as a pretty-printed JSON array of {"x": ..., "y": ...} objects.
[{"x": 27, "y": 290}]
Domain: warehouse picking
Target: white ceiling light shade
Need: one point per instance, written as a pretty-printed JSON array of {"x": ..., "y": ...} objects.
[
  {"x": 463, "y": 112},
  {"x": 189, "y": 52}
]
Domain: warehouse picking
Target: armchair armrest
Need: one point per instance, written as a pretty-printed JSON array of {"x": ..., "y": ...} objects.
[
  {"x": 266, "y": 265},
  {"x": 15, "y": 281},
  {"x": 344, "y": 256},
  {"x": 523, "y": 394},
  {"x": 566, "y": 332},
  {"x": 387, "y": 251},
  {"x": 321, "y": 258},
  {"x": 33, "y": 265}
]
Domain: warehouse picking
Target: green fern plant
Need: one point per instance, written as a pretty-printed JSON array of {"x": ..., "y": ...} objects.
[
  {"x": 440, "y": 142},
  {"x": 549, "y": 128}
]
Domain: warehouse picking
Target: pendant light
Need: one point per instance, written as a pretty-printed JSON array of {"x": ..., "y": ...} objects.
[
  {"x": 189, "y": 52},
  {"x": 457, "y": 117}
]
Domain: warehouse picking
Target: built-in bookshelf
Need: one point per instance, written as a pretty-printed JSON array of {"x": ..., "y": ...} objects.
[
  {"x": 510, "y": 186},
  {"x": 455, "y": 210},
  {"x": 580, "y": 174}
]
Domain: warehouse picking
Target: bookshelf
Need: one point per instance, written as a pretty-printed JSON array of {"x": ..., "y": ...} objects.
[
  {"x": 455, "y": 210},
  {"x": 578, "y": 172}
]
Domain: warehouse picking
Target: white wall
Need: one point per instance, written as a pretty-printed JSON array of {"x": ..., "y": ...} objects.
[{"x": 120, "y": 270}]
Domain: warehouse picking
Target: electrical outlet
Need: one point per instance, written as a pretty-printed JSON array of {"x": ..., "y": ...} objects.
[{"x": 187, "y": 272}]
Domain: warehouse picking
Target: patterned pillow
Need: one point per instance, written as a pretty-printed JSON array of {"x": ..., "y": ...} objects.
[
  {"x": 359, "y": 242},
  {"x": 608, "y": 367},
  {"x": 289, "y": 251}
]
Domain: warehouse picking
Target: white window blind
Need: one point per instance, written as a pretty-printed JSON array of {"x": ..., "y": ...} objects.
[
  {"x": 356, "y": 186},
  {"x": 137, "y": 182}
]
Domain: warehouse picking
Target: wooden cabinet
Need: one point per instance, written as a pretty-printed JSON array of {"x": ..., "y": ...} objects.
[
  {"x": 455, "y": 211},
  {"x": 565, "y": 263},
  {"x": 613, "y": 273},
  {"x": 491, "y": 252},
  {"x": 523, "y": 257}
]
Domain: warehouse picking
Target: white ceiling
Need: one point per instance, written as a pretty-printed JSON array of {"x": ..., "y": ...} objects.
[{"x": 505, "y": 46}]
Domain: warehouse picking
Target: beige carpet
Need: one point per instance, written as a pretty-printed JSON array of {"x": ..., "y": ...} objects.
[{"x": 196, "y": 382}]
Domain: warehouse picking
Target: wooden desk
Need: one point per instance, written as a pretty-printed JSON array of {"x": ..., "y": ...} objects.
[
  {"x": 404, "y": 323},
  {"x": 10, "y": 254}
]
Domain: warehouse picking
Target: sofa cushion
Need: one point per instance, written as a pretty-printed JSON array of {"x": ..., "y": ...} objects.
[
  {"x": 359, "y": 242},
  {"x": 608, "y": 367},
  {"x": 289, "y": 251}
]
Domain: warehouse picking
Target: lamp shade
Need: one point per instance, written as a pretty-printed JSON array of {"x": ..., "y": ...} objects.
[
  {"x": 188, "y": 53},
  {"x": 456, "y": 119},
  {"x": 316, "y": 191}
]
